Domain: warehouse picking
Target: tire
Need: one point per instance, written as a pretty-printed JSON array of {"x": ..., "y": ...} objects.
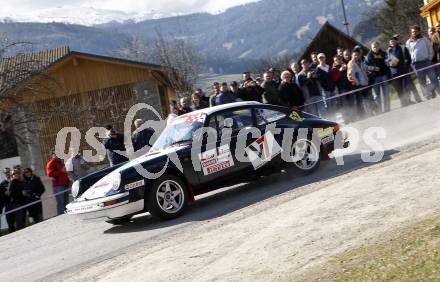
[
  {"x": 121, "y": 220},
  {"x": 307, "y": 160},
  {"x": 167, "y": 197}
]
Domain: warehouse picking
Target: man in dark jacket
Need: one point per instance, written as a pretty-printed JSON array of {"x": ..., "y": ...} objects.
[
  {"x": 270, "y": 90},
  {"x": 290, "y": 93},
  {"x": 324, "y": 74},
  {"x": 408, "y": 82},
  {"x": 4, "y": 199},
  {"x": 16, "y": 220},
  {"x": 396, "y": 61},
  {"x": 142, "y": 136},
  {"x": 251, "y": 91},
  {"x": 184, "y": 108},
  {"x": 33, "y": 189},
  {"x": 378, "y": 61},
  {"x": 225, "y": 96},
  {"x": 115, "y": 147},
  {"x": 307, "y": 78}
]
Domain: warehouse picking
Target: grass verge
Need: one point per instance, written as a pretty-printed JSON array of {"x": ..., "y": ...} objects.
[{"x": 412, "y": 254}]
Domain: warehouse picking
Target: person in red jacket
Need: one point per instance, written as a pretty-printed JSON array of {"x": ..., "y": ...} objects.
[{"x": 56, "y": 171}]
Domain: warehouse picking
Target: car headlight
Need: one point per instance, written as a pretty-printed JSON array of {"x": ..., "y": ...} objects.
[
  {"x": 109, "y": 182},
  {"x": 75, "y": 189}
]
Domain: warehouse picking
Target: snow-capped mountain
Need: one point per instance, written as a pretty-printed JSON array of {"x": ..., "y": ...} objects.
[{"x": 88, "y": 16}]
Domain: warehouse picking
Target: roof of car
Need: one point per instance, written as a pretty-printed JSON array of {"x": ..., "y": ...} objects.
[{"x": 214, "y": 109}]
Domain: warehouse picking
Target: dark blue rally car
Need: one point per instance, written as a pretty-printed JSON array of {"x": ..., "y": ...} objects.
[{"x": 202, "y": 151}]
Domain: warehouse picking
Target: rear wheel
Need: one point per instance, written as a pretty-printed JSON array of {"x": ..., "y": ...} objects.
[
  {"x": 167, "y": 197},
  {"x": 305, "y": 156}
]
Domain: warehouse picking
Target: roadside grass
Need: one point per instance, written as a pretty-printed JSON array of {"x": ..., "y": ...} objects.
[{"x": 413, "y": 254}]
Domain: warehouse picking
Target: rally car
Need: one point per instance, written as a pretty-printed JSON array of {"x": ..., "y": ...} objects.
[{"x": 202, "y": 151}]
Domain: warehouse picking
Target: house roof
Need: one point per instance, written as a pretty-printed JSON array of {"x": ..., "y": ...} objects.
[
  {"x": 16, "y": 69},
  {"x": 329, "y": 31}
]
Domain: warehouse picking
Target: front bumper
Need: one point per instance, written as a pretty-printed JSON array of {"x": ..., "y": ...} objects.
[{"x": 111, "y": 207}]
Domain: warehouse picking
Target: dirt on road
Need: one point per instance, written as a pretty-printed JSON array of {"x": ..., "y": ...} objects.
[{"x": 277, "y": 228}]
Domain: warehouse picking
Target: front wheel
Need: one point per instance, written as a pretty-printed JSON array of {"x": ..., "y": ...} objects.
[
  {"x": 305, "y": 156},
  {"x": 167, "y": 197}
]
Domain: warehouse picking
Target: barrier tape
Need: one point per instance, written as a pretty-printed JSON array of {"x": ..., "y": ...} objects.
[
  {"x": 35, "y": 202},
  {"x": 371, "y": 86}
]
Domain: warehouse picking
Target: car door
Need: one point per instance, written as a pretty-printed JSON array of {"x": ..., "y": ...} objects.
[
  {"x": 218, "y": 161},
  {"x": 267, "y": 148}
]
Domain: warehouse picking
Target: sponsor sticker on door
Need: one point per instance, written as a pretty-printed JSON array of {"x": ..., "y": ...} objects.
[{"x": 216, "y": 160}]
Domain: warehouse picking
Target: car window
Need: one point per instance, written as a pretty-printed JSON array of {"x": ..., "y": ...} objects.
[
  {"x": 267, "y": 116},
  {"x": 238, "y": 119}
]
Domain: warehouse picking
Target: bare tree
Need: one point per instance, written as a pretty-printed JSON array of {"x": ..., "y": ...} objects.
[
  {"x": 21, "y": 75},
  {"x": 137, "y": 49},
  {"x": 178, "y": 57}
]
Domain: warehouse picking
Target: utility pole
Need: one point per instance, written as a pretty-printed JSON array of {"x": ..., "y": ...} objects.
[{"x": 347, "y": 28}]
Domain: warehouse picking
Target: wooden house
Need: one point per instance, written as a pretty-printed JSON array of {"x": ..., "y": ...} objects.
[
  {"x": 327, "y": 40},
  {"x": 431, "y": 11},
  {"x": 83, "y": 90}
]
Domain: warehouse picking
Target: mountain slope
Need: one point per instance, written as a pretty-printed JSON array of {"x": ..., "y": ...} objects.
[{"x": 243, "y": 33}]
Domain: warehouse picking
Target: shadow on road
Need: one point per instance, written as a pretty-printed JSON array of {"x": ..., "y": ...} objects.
[{"x": 224, "y": 201}]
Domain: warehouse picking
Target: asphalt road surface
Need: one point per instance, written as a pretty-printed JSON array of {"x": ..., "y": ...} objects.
[{"x": 276, "y": 228}]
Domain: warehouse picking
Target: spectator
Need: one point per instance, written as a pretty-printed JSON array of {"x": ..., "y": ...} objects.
[
  {"x": 76, "y": 166},
  {"x": 33, "y": 189},
  {"x": 276, "y": 75},
  {"x": 197, "y": 102},
  {"x": 324, "y": 74},
  {"x": 174, "y": 111},
  {"x": 357, "y": 75},
  {"x": 396, "y": 61},
  {"x": 340, "y": 51},
  {"x": 142, "y": 136},
  {"x": 290, "y": 93},
  {"x": 203, "y": 98},
  {"x": 251, "y": 91},
  {"x": 236, "y": 91},
  {"x": 259, "y": 81},
  {"x": 16, "y": 220},
  {"x": 216, "y": 91},
  {"x": 245, "y": 77},
  {"x": 270, "y": 93},
  {"x": 4, "y": 198},
  {"x": 435, "y": 38},
  {"x": 296, "y": 69},
  {"x": 307, "y": 78},
  {"x": 56, "y": 171},
  {"x": 339, "y": 75},
  {"x": 183, "y": 106},
  {"x": 114, "y": 144},
  {"x": 377, "y": 60},
  {"x": 347, "y": 56},
  {"x": 315, "y": 61},
  {"x": 225, "y": 96},
  {"x": 408, "y": 82},
  {"x": 422, "y": 52}
]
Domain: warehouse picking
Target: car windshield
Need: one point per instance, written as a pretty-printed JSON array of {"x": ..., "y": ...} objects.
[{"x": 180, "y": 131}]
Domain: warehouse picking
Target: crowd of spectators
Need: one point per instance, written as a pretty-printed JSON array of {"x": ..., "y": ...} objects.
[{"x": 355, "y": 84}]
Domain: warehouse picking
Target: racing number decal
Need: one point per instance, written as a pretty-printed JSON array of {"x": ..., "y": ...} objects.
[
  {"x": 296, "y": 117},
  {"x": 216, "y": 160},
  {"x": 263, "y": 150}
]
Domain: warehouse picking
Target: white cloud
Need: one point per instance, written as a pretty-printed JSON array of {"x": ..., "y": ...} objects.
[{"x": 50, "y": 10}]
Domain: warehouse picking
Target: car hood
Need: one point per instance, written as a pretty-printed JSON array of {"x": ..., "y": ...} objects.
[{"x": 97, "y": 190}]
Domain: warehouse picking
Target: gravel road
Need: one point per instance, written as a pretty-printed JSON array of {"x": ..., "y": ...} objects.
[{"x": 274, "y": 229}]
